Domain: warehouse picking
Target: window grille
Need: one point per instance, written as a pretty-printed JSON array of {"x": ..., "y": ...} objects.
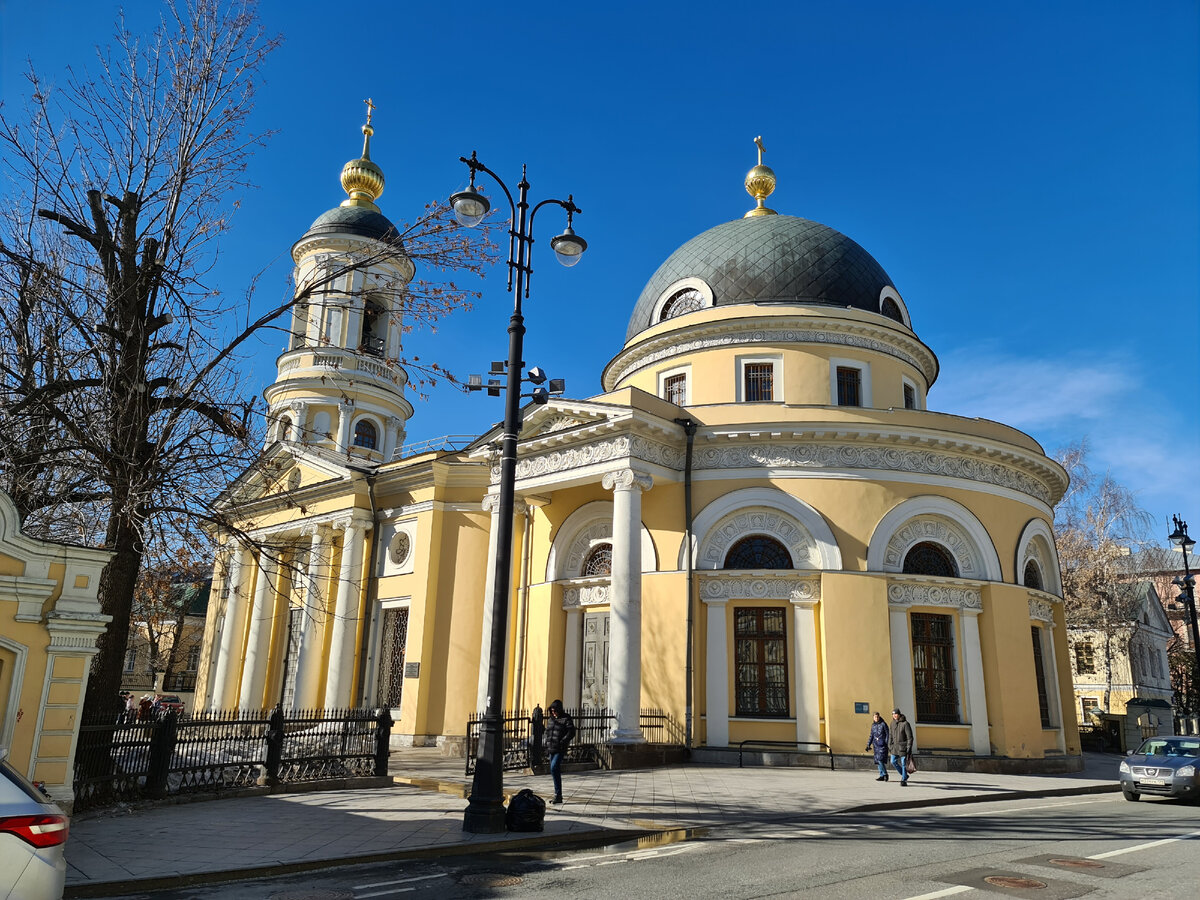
[
  {"x": 365, "y": 435},
  {"x": 675, "y": 389},
  {"x": 928, "y": 558},
  {"x": 295, "y": 630},
  {"x": 935, "y": 683},
  {"x": 758, "y": 552},
  {"x": 760, "y": 382},
  {"x": 849, "y": 386},
  {"x": 1039, "y": 670},
  {"x": 761, "y": 662},
  {"x": 1085, "y": 658},
  {"x": 599, "y": 561},
  {"x": 392, "y": 645},
  {"x": 891, "y": 309},
  {"x": 1033, "y": 576},
  {"x": 910, "y": 397},
  {"x": 684, "y": 301}
]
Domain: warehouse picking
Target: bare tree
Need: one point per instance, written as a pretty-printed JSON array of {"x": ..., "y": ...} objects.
[
  {"x": 1099, "y": 529},
  {"x": 121, "y": 400}
]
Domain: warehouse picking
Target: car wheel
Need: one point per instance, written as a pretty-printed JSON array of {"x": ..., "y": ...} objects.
[{"x": 1133, "y": 796}]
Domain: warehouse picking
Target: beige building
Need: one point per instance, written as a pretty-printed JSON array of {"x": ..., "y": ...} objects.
[
  {"x": 758, "y": 525},
  {"x": 49, "y": 622}
]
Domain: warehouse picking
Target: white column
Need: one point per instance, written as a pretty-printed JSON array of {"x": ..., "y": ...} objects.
[
  {"x": 258, "y": 641},
  {"x": 976, "y": 696},
  {"x": 716, "y": 674},
  {"x": 391, "y": 436},
  {"x": 902, "y": 670},
  {"x": 491, "y": 503},
  {"x": 345, "y": 413},
  {"x": 1051, "y": 665},
  {"x": 308, "y": 661},
  {"x": 299, "y": 421},
  {"x": 344, "y": 628},
  {"x": 808, "y": 702},
  {"x": 572, "y": 647},
  {"x": 230, "y": 651},
  {"x": 625, "y": 617}
]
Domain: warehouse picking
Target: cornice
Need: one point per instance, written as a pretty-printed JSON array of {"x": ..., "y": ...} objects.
[{"x": 767, "y": 329}]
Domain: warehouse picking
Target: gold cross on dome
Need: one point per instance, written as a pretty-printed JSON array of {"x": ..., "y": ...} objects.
[
  {"x": 370, "y": 109},
  {"x": 758, "y": 143}
]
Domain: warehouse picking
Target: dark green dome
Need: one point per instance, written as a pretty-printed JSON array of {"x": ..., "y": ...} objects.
[
  {"x": 765, "y": 259},
  {"x": 354, "y": 220}
]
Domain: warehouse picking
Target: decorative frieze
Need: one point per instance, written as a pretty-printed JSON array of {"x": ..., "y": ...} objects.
[
  {"x": 755, "y": 586},
  {"x": 576, "y": 596},
  {"x": 927, "y": 593},
  {"x": 940, "y": 531},
  {"x": 1041, "y": 610},
  {"x": 790, "y": 533}
]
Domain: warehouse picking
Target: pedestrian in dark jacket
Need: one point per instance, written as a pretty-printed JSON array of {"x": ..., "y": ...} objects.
[
  {"x": 877, "y": 741},
  {"x": 559, "y": 734},
  {"x": 537, "y": 723},
  {"x": 900, "y": 744}
]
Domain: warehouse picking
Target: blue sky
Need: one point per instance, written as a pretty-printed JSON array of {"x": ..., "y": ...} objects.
[{"x": 1027, "y": 173}]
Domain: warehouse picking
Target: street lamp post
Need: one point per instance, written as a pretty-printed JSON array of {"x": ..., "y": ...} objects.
[
  {"x": 485, "y": 807},
  {"x": 1179, "y": 537}
]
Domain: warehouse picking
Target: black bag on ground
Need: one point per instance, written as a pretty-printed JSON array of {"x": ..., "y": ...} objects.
[{"x": 526, "y": 812}]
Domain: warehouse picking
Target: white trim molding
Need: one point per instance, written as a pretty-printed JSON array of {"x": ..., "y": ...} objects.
[
  {"x": 937, "y": 519},
  {"x": 762, "y": 511}
]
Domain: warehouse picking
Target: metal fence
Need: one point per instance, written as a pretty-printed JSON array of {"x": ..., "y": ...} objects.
[
  {"x": 593, "y": 728},
  {"x": 212, "y": 752}
]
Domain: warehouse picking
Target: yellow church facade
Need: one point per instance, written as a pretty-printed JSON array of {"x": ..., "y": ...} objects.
[{"x": 758, "y": 527}]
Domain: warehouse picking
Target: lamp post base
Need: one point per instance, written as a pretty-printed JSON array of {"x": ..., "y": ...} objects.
[{"x": 484, "y": 816}]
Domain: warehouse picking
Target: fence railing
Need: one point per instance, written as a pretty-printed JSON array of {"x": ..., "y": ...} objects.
[
  {"x": 220, "y": 751},
  {"x": 593, "y": 728}
]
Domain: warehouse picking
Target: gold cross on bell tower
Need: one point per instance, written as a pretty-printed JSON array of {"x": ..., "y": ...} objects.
[
  {"x": 371, "y": 112},
  {"x": 757, "y": 142}
]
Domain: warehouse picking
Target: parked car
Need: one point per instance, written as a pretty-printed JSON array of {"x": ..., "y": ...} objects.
[
  {"x": 33, "y": 837},
  {"x": 1165, "y": 766},
  {"x": 170, "y": 701}
]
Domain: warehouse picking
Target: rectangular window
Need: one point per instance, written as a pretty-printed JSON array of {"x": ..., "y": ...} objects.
[
  {"x": 193, "y": 658},
  {"x": 910, "y": 397},
  {"x": 760, "y": 662},
  {"x": 1085, "y": 659},
  {"x": 1039, "y": 671},
  {"x": 1087, "y": 704},
  {"x": 933, "y": 668},
  {"x": 131, "y": 659},
  {"x": 675, "y": 389},
  {"x": 849, "y": 386},
  {"x": 759, "y": 381}
]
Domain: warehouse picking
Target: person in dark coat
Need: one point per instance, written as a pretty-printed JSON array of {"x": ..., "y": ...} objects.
[
  {"x": 877, "y": 741},
  {"x": 559, "y": 734},
  {"x": 537, "y": 723},
  {"x": 900, "y": 744}
]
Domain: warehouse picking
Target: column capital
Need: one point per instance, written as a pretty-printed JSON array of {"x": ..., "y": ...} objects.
[
  {"x": 491, "y": 503},
  {"x": 356, "y": 520},
  {"x": 627, "y": 480}
]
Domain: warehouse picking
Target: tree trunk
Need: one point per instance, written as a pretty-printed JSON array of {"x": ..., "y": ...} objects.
[{"x": 117, "y": 581}]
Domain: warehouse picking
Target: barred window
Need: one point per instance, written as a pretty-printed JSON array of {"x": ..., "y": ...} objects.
[
  {"x": 599, "y": 561},
  {"x": 910, "y": 397},
  {"x": 934, "y": 679},
  {"x": 928, "y": 558},
  {"x": 684, "y": 301},
  {"x": 1033, "y": 576},
  {"x": 761, "y": 662},
  {"x": 849, "y": 386},
  {"x": 675, "y": 389},
  {"x": 758, "y": 552},
  {"x": 760, "y": 382},
  {"x": 365, "y": 435},
  {"x": 1039, "y": 671},
  {"x": 1085, "y": 658}
]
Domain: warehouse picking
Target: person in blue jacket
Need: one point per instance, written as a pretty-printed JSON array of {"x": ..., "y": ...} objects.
[{"x": 877, "y": 741}]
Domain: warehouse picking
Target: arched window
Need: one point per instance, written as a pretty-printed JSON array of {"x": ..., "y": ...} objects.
[
  {"x": 684, "y": 301},
  {"x": 374, "y": 329},
  {"x": 891, "y": 309},
  {"x": 285, "y": 428},
  {"x": 928, "y": 558},
  {"x": 599, "y": 561},
  {"x": 758, "y": 552},
  {"x": 1033, "y": 576},
  {"x": 365, "y": 435}
]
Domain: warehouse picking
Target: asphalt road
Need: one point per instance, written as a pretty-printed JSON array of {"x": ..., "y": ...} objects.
[{"x": 1094, "y": 846}]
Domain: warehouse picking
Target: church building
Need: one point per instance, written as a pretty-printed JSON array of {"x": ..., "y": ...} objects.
[{"x": 757, "y": 526}]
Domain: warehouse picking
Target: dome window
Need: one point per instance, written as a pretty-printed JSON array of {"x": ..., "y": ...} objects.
[
  {"x": 891, "y": 309},
  {"x": 684, "y": 301},
  {"x": 365, "y": 435},
  {"x": 928, "y": 558},
  {"x": 758, "y": 552}
]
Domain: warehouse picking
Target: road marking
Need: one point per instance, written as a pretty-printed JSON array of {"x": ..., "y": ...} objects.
[
  {"x": 992, "y": 812},
  {"x": 945, "y": 892},
  {"x": 359, "y": 887},
  {"x": 382, "y": 893},
  {"x": 1147, "y": 846}
]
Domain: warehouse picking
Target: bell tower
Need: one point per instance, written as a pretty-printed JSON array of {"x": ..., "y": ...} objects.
[{"x": 339, "y": 385}]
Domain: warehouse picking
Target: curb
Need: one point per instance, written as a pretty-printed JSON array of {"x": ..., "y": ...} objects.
[{"x": 984, "y": 798}]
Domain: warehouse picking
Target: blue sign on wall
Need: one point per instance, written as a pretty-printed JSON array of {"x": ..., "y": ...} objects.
[{"x": 862, "y": 707}]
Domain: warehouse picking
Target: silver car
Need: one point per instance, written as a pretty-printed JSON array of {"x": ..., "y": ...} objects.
[
  {"x": 33, "y": 837},
  {"x": 1165, "y": 766}
]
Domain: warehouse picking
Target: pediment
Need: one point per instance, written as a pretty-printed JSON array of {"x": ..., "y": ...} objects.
[{"x": 282, "y": 468}]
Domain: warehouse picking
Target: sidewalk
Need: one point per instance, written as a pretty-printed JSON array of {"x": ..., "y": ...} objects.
[{"x": 421, "y": 816}]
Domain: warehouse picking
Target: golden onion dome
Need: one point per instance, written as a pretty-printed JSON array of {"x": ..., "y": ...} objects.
[
  {"x": 361, "y": 178},
  {"x": 760, "y": 184}
]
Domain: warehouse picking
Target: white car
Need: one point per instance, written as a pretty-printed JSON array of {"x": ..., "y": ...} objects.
[{"x": 33, "y": 838}]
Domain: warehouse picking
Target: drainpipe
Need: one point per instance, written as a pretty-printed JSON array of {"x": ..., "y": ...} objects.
[
  {"x": 689, "y": 429},
  {"x": 372, "y": 585}
]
